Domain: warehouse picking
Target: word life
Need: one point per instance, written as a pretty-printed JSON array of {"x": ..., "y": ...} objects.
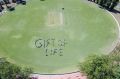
[{"x": 51, "y": 46}]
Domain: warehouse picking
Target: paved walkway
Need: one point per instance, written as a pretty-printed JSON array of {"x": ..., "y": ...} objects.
[
  {"x": 117, "y": 16},
  {"x": 74, "y": 75}
]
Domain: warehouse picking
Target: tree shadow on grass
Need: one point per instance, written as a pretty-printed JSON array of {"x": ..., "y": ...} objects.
[{"x": 115, "y": 11}]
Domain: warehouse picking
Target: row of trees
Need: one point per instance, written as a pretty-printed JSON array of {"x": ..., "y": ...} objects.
[
  {"x": 12, "y": 71},
  {"x": 102, "y": 67},
  {"x": 108, "y": 4}
]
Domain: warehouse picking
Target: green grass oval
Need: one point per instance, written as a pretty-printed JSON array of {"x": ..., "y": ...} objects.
[{"x": 69, "y": 29}]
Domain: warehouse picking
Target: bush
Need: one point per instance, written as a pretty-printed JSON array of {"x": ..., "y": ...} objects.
[
  {"x": 100, "y": 67},
  {"x": 12, "y": 71}
]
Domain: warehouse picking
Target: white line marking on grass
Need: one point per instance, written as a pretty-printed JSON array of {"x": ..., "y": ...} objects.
[
  {"x": 116, "y": 22},
  {"x": 61, "y": 18},
  {"x": 17, "y": 36},
  {"x": 118, "y": 40}
]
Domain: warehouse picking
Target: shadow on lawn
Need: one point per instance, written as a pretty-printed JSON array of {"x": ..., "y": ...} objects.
[{"x": 115, "y": 11}]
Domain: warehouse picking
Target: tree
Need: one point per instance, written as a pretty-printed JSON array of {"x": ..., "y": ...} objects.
[
  {"x": 113, "y": 4},
  {"x": 25, "y": 73},
  {"x": 117, "y": 72},
  {"x": 102, "y": 67},
  {"x": 116, "y": 64},
  {"x": 102, "y": 2},
  {"x": 108, "y": 4},
  {"x": 12, "y": 71},
  {"x": 97, "y": 67}
]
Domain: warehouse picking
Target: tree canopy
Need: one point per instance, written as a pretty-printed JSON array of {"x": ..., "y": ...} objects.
[
  {"x": 101, "y": 67},
  {"x": 108, "y": 4},
  {"x": 12, "y": 71}
]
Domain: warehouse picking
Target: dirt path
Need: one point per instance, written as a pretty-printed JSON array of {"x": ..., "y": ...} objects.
[{"x": 117, "y": 16}]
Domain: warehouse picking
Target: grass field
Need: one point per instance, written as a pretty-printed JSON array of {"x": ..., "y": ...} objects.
[{"x": 53, "y": 36}]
